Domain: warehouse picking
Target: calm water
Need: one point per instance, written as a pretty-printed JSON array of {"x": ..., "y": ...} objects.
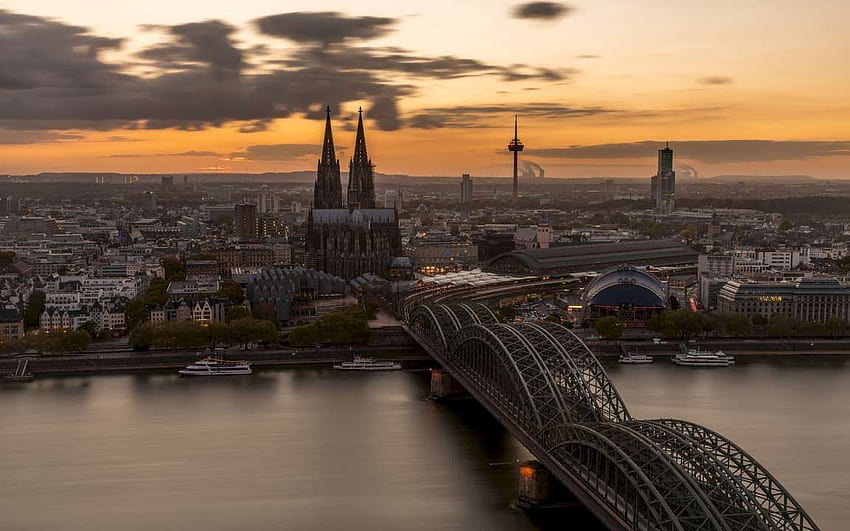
[{"x": 314, "y": 449}]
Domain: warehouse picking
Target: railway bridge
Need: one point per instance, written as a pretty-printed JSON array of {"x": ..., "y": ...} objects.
[{"x": 547, "y": 387}]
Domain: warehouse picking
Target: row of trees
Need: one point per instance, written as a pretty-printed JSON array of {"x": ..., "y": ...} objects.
[
  {"x": 46, "y": 343},
  {"x": 192, "y": 334},
  {"x": 342, "y": 327},
  {"x": 684, "y": 324}
]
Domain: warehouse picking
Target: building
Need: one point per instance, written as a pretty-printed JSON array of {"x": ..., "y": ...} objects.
[
  {"x": 534, "y": 237},
  {"x": 663, "y": 183},
  {"x": 806, "y": 299},
  {"x": 625, "y": 292},
  {"x": 465, "y": 188},
  {"x": 355, "y": 239},
  {"x": 592, "y": 257},
  {"x": 439, "y": 252},
  {"x": 245, "y": 220},
  {"x": 243, "y": 256},
  {"x": 11, "y": 323},
  {"x": 288, "y": 295},
  {"x": 492, "y": 243},
  {"x": 201, "y": 268},
  {"x": 394, "y": 199},
  {"x": 718, "y": 265}
]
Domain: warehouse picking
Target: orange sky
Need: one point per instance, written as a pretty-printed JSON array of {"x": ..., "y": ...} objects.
[{"x": 627, "y": 72}]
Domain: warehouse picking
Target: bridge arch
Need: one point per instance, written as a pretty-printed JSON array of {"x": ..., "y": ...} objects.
[{"x": 548, "y": 387}]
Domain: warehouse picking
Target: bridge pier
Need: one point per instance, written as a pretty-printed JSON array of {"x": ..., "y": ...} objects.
[
  {"x": 539, "y": 489},
  {"x": 443, "y": 385},
  {"x": 535, "y": 484}
]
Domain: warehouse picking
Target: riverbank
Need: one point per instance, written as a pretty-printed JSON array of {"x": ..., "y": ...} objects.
[
  {"x": 127, "y": 362},
  {"x": 738, "y": 348},
  {"x": 122, "y": 360}
]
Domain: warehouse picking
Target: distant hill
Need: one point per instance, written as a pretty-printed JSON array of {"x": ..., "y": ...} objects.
[{"x": 765, "y": 179}]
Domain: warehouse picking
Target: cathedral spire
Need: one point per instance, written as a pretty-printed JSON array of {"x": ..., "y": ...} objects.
[
  {"x": 328, "y": 188},
  {"x": 360, "y": 155},
  {"x": 328, "y": 155},
  {"x": 361, "y": 184}
]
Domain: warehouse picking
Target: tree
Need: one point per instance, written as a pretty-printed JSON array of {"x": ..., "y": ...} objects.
[
  {"x": 7, "y": 257},
  {"x": 142, "y": 337},
  {"x": 681, "y": 324},
  {"x": 157, "y": 293},
  {"x": 231, "y": 289},
  {"x": 71, "y": 341},
  {"x": 174, "y": 268},
  {"x": 732, "y": 324},
  {"x": 91, "y": 328},
  {"x": 236, "y": 312},
  {"x": 609, "y": 327},
  {"x": 779, "y": 325},
  {"x": 35, "y": 307},
  {"x": 342, "y": 327},
  {"x": 135, "y": 311}
]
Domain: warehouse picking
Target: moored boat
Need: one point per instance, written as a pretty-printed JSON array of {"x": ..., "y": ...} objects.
[
  {"x": 634, "y": 358},
  {"x": 697, "y": 358},
  {"x": 217, "y": 367},
  {"x": 367, "y": 364}
]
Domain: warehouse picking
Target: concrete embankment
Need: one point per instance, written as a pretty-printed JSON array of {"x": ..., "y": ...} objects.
[
  {"x": 740, "y": 347},
  {"x": 160, "y": 360},
  {"x": 385, "y": 343}
]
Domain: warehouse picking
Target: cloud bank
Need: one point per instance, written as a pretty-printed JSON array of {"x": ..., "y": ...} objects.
[
  {"x": 706, "y": 151},
  {"x": 54, "y": 76}
]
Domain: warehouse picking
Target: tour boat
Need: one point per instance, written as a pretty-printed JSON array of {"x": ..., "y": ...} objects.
[
  {"x": 216, "y": 367},
  {"x": 696, "y": 358},
  {"x": 21, "y": 373},
  {"x": 634, "y": 358},
  {"x": 367, "y": 364}
]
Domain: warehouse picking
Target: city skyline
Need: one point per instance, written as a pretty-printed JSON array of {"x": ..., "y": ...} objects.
[{"x": 743, "y": 89}]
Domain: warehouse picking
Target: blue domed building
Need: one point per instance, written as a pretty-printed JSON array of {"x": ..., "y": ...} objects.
[{"x": 628, "y": 293}]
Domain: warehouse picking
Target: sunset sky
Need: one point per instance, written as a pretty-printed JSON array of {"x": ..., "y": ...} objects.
[{"x": 740, "y": 87}]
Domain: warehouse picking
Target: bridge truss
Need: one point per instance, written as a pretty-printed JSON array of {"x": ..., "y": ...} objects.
[{"x": 549, "y": 389}]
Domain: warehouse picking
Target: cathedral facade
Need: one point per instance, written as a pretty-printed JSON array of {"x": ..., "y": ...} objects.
[{"x": 349, "y": 239}]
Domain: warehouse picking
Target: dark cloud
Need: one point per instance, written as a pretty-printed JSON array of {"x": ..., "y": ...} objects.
[
  {"x": 400, "y": 61},
  {"x": 716, "y": 80},
  {"x": 588, "y": 56},
  {"x": 478, "y": 115},
  {"x": 40, "y": 53},
  {"x": 182, "y": 154},
  {"x": 199, "y": 43},
  {"x": 53, "y": 76},
  {"x": 277, "y": 152},
  {"x": 541, "y": 10},
  {"x": 324, "y": 27},
  {"x": 706, "y": 151},
  {"x": 35, "y": 137}
]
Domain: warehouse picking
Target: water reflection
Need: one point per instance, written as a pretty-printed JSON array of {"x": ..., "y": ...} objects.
[{"x": 318, "y": 449}]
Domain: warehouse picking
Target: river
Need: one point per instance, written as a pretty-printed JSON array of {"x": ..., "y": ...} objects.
[{"x": 316, "y": 449}]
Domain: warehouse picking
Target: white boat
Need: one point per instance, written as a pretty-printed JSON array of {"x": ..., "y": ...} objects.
[
  {"x": 634, "y": 358},
  {"x": 216, "y": 367},
  {"x": 697, "y": 358},
  {"x": 367, "y": 364}
]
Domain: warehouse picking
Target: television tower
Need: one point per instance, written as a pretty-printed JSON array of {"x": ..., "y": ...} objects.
[{"x": 515, "y": 146}]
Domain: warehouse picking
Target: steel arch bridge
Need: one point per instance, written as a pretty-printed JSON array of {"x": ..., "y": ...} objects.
[{"x": 543, "y": 383}]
